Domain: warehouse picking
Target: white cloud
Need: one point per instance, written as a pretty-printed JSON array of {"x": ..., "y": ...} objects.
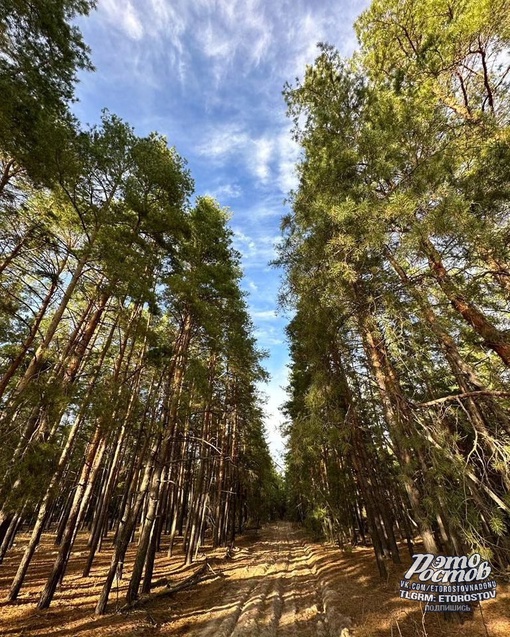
[
  {"x": 266, "y": 340},
  {"x": 264, "y": 315},
  {"x": 232, "y": 35},
  {"x": 228, "y": 191},
  {"x": 165, "y": 20},
  {"x": 124, "y": 16},
  {"x": 310, "y": 29},
  {"x": 276, "y": 396},
  {"x": 243, "y": 239},
  {"x": 260, "y": 161},
  {"x": 230, "y": 141},
  {"x": 132, "y": 23},
  {"x": 223, "y": 141},
  {"x": 236, "y": 36},
  {"x": 268, "y": 157},
  {"x": 257, "y": 250},
  {"x": 288, "y": 152},
  {"x": 216, "y": 42}
]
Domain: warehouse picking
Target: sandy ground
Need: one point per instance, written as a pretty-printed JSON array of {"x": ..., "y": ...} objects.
[{"x": 276, "y": 583}]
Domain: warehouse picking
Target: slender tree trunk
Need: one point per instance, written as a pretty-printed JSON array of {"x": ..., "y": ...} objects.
[
  {"x": 126, "y": 528},
  {"x": 376, "y": 504},
  {"x": 16, "y": 362},
  {"x": 92, "y": 461},
  {"x": 43, "y": 510},
  {"x": 35, "y": 367},
  {"x": 493, "y": 338},
  {"x": 38, "y": 359},
  {"x": 10, "y": 532},
  {"x": 466, "y": 377}
]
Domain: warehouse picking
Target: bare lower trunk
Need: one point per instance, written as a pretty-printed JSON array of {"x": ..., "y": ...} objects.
[{"x": 92, "y": 461}]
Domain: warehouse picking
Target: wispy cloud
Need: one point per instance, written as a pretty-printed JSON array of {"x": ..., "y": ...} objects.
[
  {"x": 125, "y": 17},
  {"x": 256, "y": 250},
  {"x": 262, "y": 158},
  {"x": 276, "y": 397},
  {"x": 233, "y": 37},
  {"x": 269, "y": 157},
  {"x": 264, "y": 315},
  {"x": 226, "y": 191},
  {"x": 222, "y": 141},
  {"x": 289, "y": 153}
]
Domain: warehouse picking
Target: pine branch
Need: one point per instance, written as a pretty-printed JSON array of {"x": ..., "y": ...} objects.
[{"x": 469, "y": 394}]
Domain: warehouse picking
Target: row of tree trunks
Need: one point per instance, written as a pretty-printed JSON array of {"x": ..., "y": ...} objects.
[
  {"x": 116, "y": 297},
  {"x": 396, "y": 411}
]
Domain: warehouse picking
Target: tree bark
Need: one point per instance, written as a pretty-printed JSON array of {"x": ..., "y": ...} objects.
[{"x": 492, "y": 337}]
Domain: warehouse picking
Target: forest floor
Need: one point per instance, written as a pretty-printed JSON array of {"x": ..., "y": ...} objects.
[{"x": 275, "y": 583}]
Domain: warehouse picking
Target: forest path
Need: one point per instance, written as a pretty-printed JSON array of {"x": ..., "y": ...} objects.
[{"x": 272, "y": 588}]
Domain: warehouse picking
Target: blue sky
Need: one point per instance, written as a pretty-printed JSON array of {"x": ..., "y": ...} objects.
[{"x": 209, "y": 75}]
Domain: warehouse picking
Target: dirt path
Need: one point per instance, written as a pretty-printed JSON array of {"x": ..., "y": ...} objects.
[
  {"x": 274, "y": 591},
  {"x": 276, "y": 583}
]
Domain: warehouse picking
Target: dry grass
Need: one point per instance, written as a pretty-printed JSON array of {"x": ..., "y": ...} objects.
[{"x": 378, "y": 611}]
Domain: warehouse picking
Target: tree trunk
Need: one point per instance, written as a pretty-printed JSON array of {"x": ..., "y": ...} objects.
[
  {"x": 174, "y": 396},
  {"x": 493, "y": 338},
  {"x": 92, "y": 461}
]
